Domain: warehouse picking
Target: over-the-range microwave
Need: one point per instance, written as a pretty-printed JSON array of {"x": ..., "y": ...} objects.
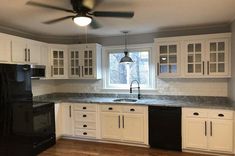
[{"x": 38, "y": 71}]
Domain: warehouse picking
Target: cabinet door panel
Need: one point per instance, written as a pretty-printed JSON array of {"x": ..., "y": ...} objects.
[
  {"x": 34, "y": 52},
  {"x": 67, "y": 120},
  {"x": 196, "y": 133},
  {"x": 221, "y": 135},
  {"x": 5, "y": 49},
  {"x": 111, "y": 126},
  {"x": 133, "y": 127},
  {"x": 19, "y": 51}
]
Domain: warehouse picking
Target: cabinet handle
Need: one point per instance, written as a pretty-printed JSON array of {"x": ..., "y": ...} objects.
[
  {"x": 118, "y": 121},
  {"x": 208, "y": 68},
  {"x": 84, "y": 125},
  {"x": 52, "y": 71},
  {"x": 221, "y": 115},
  {"x": 205, "y": 128},
  {"x": 79, "y": 72},
  {"x": 70, "y": 113},
  {"x": 196, "y": 113},
  {"x": 25, "y": 54},
  {"x": 110, "y": 108},
  {"x": 203, "y": 67},
  {"x": 211, "y": 127},
  {"x": 132, "y": 109},
  {"x": 28, "y": 55},
  {"x": 84, "y": 115},
  {"x": 83, "y": 107},
  {"x": 158, "y": 68},
  {"x": 85, "y": 133},
  {"x": 82, "y": 72},
  {"x": 123, "y": 121}
]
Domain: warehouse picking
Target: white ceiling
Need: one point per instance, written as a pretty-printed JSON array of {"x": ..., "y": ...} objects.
[{"x": 150, "y": 16}]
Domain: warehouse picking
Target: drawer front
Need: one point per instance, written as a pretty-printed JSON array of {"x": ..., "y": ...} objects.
[
  {"x": 110, "y": 108},
  {"x": 133, "y": 109},
  {"x": 85, "y": 133},
  {"x": 85, "y": 125},
  {"x": 85, "y": 107},
  {"x": 85, "y": 116},
  {"x": 221, "y": 114},
  {"x": 196, "y": 113}
]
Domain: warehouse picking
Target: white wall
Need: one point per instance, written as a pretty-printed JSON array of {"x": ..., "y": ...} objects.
[
  {"x": 232, "y": 80},
  {"x": 40, "y": 87},
  {"x": 194, "y": 87}
]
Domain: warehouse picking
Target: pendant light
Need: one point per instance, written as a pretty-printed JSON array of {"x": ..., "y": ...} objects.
[{"x": 126, "y": 59}]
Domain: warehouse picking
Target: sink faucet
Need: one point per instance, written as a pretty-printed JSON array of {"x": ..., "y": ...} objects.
[{"x": 135, "y": 87}]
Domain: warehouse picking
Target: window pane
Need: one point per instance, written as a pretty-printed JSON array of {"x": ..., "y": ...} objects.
[{"x": 123, "y": 74}]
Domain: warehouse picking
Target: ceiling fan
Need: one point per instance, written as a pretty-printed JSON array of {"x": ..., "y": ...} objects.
[{"x": 83, "y": 11}]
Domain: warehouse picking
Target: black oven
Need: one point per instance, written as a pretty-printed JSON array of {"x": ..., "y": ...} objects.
[{"x": 43, "y": 126}]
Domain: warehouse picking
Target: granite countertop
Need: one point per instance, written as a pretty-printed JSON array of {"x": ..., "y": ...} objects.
[{"x": 213, "y": 103}]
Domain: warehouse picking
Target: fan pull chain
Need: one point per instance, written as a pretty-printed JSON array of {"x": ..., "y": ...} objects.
[{"x": 86, "y": 34}]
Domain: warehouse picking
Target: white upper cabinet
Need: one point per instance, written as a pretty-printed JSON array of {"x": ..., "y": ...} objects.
[
  {"x": 85, "y": 61},
  {"x": 5, "y": 48},
  {"x": 58, "y": 61},
  {"x": 198, "y": 56},
  {"x": 25, "y": 51},
  {"x": 168, "y": 59}
]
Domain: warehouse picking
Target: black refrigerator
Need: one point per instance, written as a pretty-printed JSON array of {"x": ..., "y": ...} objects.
[{"x": 16, "y": 137}]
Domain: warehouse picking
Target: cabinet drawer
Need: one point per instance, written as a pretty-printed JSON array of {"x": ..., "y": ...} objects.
[
  {"x": 133, "y": 109},
  {"x": 110, "y": 108},
  {"x": 85, "y": 116},
  {"x": 220, "y": 114},
  {"x": 85, "y": 125},
  {"x": 85, "y": 133},
  {"x": 85, "y": 107},
  {"x": 194, "y": 112}
]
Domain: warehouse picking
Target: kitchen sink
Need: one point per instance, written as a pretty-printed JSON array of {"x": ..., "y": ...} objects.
[{"x": 125, "y": 100}]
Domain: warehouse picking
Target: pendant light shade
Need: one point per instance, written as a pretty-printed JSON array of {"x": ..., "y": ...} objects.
[{"x": 126, "y": 59}]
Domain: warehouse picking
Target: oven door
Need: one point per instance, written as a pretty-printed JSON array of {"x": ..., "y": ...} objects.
[{"x": 43, "y": 123}]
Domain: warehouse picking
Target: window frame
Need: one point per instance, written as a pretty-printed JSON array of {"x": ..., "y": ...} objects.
[{"x": 131, "y": 48}]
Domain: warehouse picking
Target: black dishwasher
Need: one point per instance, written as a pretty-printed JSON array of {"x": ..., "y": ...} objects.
[{"x": 165, "y": 127}]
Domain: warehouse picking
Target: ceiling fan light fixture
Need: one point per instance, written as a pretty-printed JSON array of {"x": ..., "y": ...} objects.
[{"x": 82, "y": 20}]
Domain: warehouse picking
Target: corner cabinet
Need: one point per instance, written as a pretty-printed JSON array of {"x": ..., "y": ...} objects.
[
  {"x": 58, "y": 61},
  {"x": 198, "y": 56},
  {"x": 124, "y": 123},
  {"x": 208, "y": 130},
  {"x": 85, "y": 61}
]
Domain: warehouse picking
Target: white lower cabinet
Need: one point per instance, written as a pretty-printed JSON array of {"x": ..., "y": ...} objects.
[
  {"x": 58, "y": 119},
  {"x": 85, "y": 117},
  {"x": 208, "y": 130},
  {"x": 124, "y": 123},
  {"x": 67, "y": 119}
]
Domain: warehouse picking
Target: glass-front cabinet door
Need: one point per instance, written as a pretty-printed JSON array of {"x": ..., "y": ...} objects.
[
  {"x": 88, "y": 63},
  {"x": 58, "y": 63},
  {"x": 168, "y": 59},
  {"x": 195, "y": 65},
  {"x": 75, "y": 61},
  {"x": 217, "y": 52}
]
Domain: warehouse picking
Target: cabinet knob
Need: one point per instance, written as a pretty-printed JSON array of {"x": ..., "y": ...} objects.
[
  {"x": 84, "y": 125},
  {"x": 85, "y": 133},
  {"x": 196, "y": 113},
  {"x": 221, "y": 115},
  {"x": 84, "y": 115},
  {"x": 132, "y": 109},
  {"x": 110, "y": 108},
  {"x": 83, "y": 107}
]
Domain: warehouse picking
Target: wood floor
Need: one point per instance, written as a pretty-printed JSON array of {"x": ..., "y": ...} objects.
[{"x": 82, "y": 148}]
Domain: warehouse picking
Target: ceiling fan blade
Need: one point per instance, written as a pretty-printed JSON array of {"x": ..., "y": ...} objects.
[
  {"x": 94, "y": 24},
  {"x": 48, "y": 6},
  {"x": 113, "y": 14},
  {"x": 57, "y": 20}
]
